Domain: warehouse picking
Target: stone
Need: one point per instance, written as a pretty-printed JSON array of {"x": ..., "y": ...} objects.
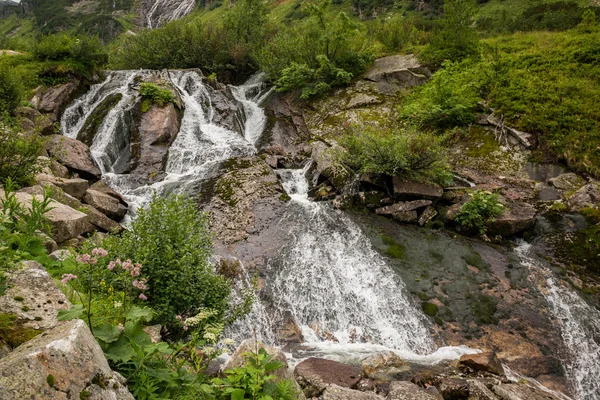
[
  {"x": 329, "y": 170},
  {"x": 384, "y": 366},
  {"x": 401, "y": 390},
  {"x": 157, "y": 129},
  {"x": 428, "y": 214},
  {"x": 106, "y": 204},
  {"x": 402, "y": 207},
  {"x": 101, "y": 186},
  {"x": 567, "y": 182},
  {"x": 251, "y": 346},
  {"x": 64, "y": 360},
  {"x": 47, "y": 241},
  {"x": 397, "y": 72},
  {"x": 314, "y": 375},
  {"x": 56, "y": 193},
  {"x": 289, "y": 332},
  {"x": 407, "y": 190},
  {"x": 154, "y": 332},
  {"x": 373, "y": 181},
  {"x": 67, "y": 223},
  {"x": 34, "y": 122},
  {"x": 54, "y": 99},
  {"x": 453, "y": 388},
  {"x": 362, "y": 100},
  {"x": 101, "y": 221},
  {"x": 516, "y": 218},
  {"x": 75, "y": 187},
  {"x": 52, "y": 167},
  {"x": 521, "y": 392},
  {"x": 335, "y": 392},
  {"x": 586, "y": 196},
  {"x": 60, "y": 255},
  {"x": 33, "y": 297},
  {"x": 485, "y": 362},
  {"x": 479, "y": 391},
  {"x": 74, "y": 155}
]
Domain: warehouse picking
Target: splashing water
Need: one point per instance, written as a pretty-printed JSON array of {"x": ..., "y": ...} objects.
[
  {"x": 163, "y": 11},
  {"x": 579, "y": 325}
]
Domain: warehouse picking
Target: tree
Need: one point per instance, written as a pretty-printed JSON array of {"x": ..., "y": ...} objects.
[{"x": 457, "y": 39}]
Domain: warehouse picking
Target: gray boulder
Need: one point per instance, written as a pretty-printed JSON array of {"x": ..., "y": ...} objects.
[
  {"x": 64, "y": 362},
  {"x": 74, "y": 155},
  {"x": 384, "y": 366},
  {"x": 408, "y": 190},
  {"x": 75, "y": 187},
  {"x": 53, "y": 100},
  {"x": 397, "y": 72},
  {"x": 567, "y": 182},
  {"x": 401, "y": 390},
  {"x": 324, "y": 157},
  {"x": 335, "y": 392},
  {"x": 106, "y": 204},
  {"x": 521, "y": 392},
  {"x": 516, "y": 218},
  {"x": 485, "y": 362},
  {"x": 586, "y": 196}
]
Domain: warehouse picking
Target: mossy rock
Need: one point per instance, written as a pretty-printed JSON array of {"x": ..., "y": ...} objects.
[
  {"x": 12, "y": 331},
  {"x": 92, "y": 123},
  {"x": 429, "y": 309}
]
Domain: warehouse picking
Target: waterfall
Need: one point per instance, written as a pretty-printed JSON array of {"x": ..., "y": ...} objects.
[
  {"x": 252, "y": 94},
  {"x": 579, "y": 325},
  {"x": 162, "y": 11}
]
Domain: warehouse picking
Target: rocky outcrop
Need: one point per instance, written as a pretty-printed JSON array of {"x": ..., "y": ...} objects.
[
  {"x": 516, "y": 218},
  {"x": 75, "y": 187},
  {"x": 384, "y": 366},
  {"x": 588, "y": 196},
  {"x": 335, "y": 392},
  {"x": 89, "y": 130},
  {"x": 409, "y": 190},
  {"x": 106, "y": 204},
  {"x": 74, "y": 155},
  {"x": 101, "y": 186},
  {"x": 314, "y": 375},
  {"x": 521, "y": 392},
  {"x": 400, "y": 390},
  {"x": 486, "y": 362},
  {"x": 53, "y": 100},
  {"x": 397, "y": 72},
  {"x": 65, "y": 362},
  {"x": 157, "y": 129},
  {"x": 567, "y": 182},
  {"x": 328, "y": 169},
  {"x": 404, "y": 211}
]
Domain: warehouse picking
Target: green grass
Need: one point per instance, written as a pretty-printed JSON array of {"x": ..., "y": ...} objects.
[{"x": 513, "y": 8}]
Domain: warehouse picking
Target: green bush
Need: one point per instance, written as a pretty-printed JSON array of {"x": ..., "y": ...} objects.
[
  {"x": 399, "y": 152},
  {"x": 172, "y": 241},
  {"x": 11, "y": 90},
  {"x": 483, "y": 207},
  {"x": 156, "y": 94},
  {"x": 85, "y": 52},
  {"x": 18, "y": 154},
  {"x": 398, "y": 34}
]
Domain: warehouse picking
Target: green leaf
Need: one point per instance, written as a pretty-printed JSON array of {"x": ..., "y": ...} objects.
[
  {"x": 106, "y": 332},
  {"x": 238, "y": 394},
  {"x": 74, "y": 312},
  {"x": 136, "y": 313},
  {"x": 135, "y": 333},
  {"x": 120, "y": 351}
]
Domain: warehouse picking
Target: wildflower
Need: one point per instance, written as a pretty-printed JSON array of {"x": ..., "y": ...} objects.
[
  {"x": 93, "y": 261},
  {"x": 141, "y": 284},
  {"x": 83, "y": 258},
  {"x": 68, "y": 277},
  {"x": 99, "y": 252},
  {"x": 111, "y": 265},
  {"x": 126, "y": 265},
  {"x": 228, "y": 341},
  {"x": 135, "y": 271},
  {"x": 118, "y": 304},
  {"x": 210, "y": 336},
  {"x": 179, "y": 317},
  {"x": 121, "y": 327},
  {"x": 143, "y": 297},
  {"x": 185, "y": 328}
]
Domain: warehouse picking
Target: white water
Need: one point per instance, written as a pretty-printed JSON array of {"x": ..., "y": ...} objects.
[
  {"x": 579, "y": 324},
  {"x": 201, "y": 144},
  {"x": 163, "y": 11}
]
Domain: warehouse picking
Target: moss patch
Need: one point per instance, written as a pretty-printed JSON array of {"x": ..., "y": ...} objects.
[
  {"x": 93, "y": 122},
  {"x": 394, "y": 249},
  {"x": 429, "y": 309},
  {"x": 12, "y": 331}
]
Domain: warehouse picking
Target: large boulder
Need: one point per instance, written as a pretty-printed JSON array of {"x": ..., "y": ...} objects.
[
  {"x": 586, "y": 196},
  {"x": 74, "y": 155},
  {"x": 66, "y": 222},
  {"x": 75, "y": 187},
  {"x": 397, "y": 72},
  {"x": 404, "y": 211},
  {"x": 567, "y": 182},
  {"x": 485, "y": 362},
  {"x": 335, "y": 392},
  {"x": 101, "y": 221},
  {"x": 384, "y": 366},
  {"x": 65, "y": 362},
  {"x": 89, "y": 130},
  {"x": 401, "y": 390},
  {"x": 157, "y": 130},
  {"x": 314, "y": 375},
  {"x": 33, "y": 297},
  {"x": 55, "y": 193},
  {"x": 521, "y": 392},
  {"x": 516, "y": 218},
  {"x": 106, "y": 204},
  {"x": 479, "y": 391},
  {"x": 53, "y": 100},
  {"x": 408, "y": 190},
  {"x": 101, "y": 186},
  {"x": 328, "y": 169}
]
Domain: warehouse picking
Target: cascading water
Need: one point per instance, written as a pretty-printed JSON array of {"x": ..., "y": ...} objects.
[
  {"x": 252, "y": 94},
  {"x": 579, "y": 325},
  {"x": 163, "y": 11}
]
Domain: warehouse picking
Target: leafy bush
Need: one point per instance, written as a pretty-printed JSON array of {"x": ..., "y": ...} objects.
[
  {"x": 404, "y": 152},
  {"x": 86, "y": 52},
  {"x": 398, "y": 34},
  {"x": 172, "y": 241},
  {"x": 449, "y": 99},
  {"x": 483, "y": 207},
  {"x": 155, "y": 94},
  {"x": 18, "y": 154},
  {"x": 457, "y": 39},
  {"x": 11, "y": 90}
]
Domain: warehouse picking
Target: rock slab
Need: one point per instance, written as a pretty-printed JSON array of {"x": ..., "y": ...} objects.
[{"x": 315, "y": 374}]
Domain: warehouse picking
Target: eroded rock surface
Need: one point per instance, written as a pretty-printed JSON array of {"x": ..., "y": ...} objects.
[{"x": 74, "y": 155}]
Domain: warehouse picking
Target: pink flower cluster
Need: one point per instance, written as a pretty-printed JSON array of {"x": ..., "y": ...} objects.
[
  {"x": 68, "y": 277},
  {"x": 98, "y": 252},
  {"x": 141, "y": 284},
  {"x": 134, "y": 269}
]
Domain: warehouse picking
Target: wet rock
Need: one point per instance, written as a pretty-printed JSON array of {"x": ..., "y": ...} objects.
[
  {"x": 567, "y": 182},
  {"x": 329, "y": 170},
  {"x": 157, "y": 130},
  {"x": 402, "y": 207},
  {"x": 89, "y": 130},
  {"x": 289, "y": 332},
  {"x": 428, "y": 214},
  {"x": 106, "y": 204},
  {"x": 407, "y": 190},
  {"x": 65, "y": 359},
  {"x": 384, "y": 366},
  {"x": 335, "y": 392},
  {"x": 74, "y": 155},
  {"x": 33, "y": 297},
  {"x": 400, "y": 390},
  {"x": 586, "y": 196},
  {"x": 521, "y": 392},
  {"x": 33, "y": 121},
  {"x": 397, "y": 72},
  {"x": 486, "y": 362},
  {"x": 453, "y": 388},
  {"x": 251, "y": 346},
  {"x": 101, "y": 186},
  {"x": 75, "y": 187},
  {"x": 373, "y": 181},
  {"x": 53, "y": 100},
  {"x": 517, "y": 218},
  {"x": 479, "y": 391},
  {"x": 66, "y": 222},
  {"x": 101, "y": 221},
  {"x": 314, "y": 375}
]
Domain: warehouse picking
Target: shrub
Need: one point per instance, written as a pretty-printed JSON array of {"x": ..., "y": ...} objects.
[
  {"x": 155, "y": 94},
  {"x": 397, "y": 34},
  {"x": 404, "y": 152},
  {"x": 11, "y": 90},
  {"x": 172, "y": 241},
  {"x": 18, "y": 154},
  {"x": 86, "y": 52},
  {"x": 483, "y": 207}
]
